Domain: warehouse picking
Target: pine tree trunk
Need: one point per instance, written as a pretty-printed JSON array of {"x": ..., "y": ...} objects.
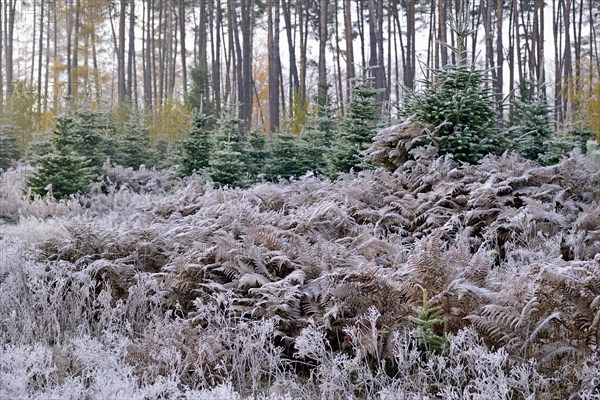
[
  {"x": 40, "y": 47},
  {"x": 323, "y": 86},
  {"x": 121, "y": 88},
  {"x": 131, "y": 81},
  {"x": 182, "y": 45},
  {"x": 349, "y": 46}
]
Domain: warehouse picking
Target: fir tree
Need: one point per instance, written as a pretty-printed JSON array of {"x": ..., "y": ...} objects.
[
  {"x": 61, "y": 174},
  {"x": 198, "y": 97},
  {"x": 87, "y": 134},
  {"x": 530, "y": 119},
  {"x": 227, "y": 166},
  {"x": 286, "y": 161},
  {"x": 457, "y": 107},
  {"x": 358, "y": 128},
  {"x": 9, "y": 151},
  {"x": 257, "y": 155},
  {"x": 316, "y": 141},
  {"x": 133, "y": 147},
  {"x": 198, "y": 147},
  {"x": 72, "y": 162}
]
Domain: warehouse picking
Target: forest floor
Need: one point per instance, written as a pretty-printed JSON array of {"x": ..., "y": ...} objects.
[{"x": 438, "y": 280}]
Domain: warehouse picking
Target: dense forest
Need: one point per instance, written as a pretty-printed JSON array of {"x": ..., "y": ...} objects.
[
  {"x": 326, "y": 199},
  {"x": 277, "y": 64}
]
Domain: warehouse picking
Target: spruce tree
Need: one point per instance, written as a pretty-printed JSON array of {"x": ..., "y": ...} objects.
[
  {"x": 357, "y": 129},
  {"x": 457, "y": 107},
  {"x": 9, "y": 151},
  {"x": 198, "y": 147}
]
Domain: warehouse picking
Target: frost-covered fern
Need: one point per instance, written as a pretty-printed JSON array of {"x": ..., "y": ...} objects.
[{"x": 154, "y": 289}]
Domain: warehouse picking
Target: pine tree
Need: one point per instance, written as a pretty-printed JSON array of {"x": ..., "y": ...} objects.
[
  {"x": 9, "y": 151},
  {"x": 457, "y": 107},
  {"x": 530, "y": 119},
  {"x": 198, "y": 147},
  {"x": 358, "y": 128}
]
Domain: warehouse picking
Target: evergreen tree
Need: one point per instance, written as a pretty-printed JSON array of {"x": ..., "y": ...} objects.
[
  {"x": 87, "y": 134},
  {"x": 316, "y": 141},
  {"x": 287, "y": 160},
  {"x": 9, "y": 151},
  {"x": 198, "y": 97},
  {"x": 167, "y": 155},
  {"x": 556, "y": 148},
  {"x": 530, "y": 119},
  {"x": 257, "y": 155},
  {"x": 457, "y": 107},
  {"x": 198, "y": 147},
  {"x": 133, "y": 146},
  {"x": 62, "y": 170},
  {"x": 358, "y": 127},
  {"x": 227, "y": 166}
]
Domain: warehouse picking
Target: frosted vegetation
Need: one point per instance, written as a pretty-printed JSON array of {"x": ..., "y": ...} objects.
[{"x": 433, "y": 281}]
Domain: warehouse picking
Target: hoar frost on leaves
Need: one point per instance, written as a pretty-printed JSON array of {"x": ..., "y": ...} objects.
[{"x": 307, "y": 290}]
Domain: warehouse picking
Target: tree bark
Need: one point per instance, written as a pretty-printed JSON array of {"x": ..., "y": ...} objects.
[
  {"x": 349, "y": 46},
  {"x": 409, "y": 67},
  {"x": 323, "y": 86},
  {"x": 274, "y": 65},
  {"x": 121, "y": 86}
]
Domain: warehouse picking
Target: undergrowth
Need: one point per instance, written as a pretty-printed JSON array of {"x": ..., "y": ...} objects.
[{"x": 151, "y": 289}]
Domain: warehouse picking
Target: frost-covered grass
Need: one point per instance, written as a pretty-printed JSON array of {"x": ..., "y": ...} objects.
[{"x": 150, "y": 288}]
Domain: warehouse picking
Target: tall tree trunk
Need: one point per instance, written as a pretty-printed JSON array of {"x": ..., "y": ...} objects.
[
  {"x": 182, "y": 44},
  {"x": 33, "y": 42},
  {"x": 294, "y": 80},
  {"x": 216, "y": 62},
  {"x": 302, "y": 11},
  {"x": 121, "y": 87},
  {"x": 540, "y": 48},
  {"x": 1, "y": 59},
  {"x": 442, "y": 32},
  {"x": 146, "y": 57},
  {"x": 348, "y": 34},
  {"x": 69, "y": 51},
  {"x": 499, "y": 82},
  {"x": 9, "y": 29},
  {"x": 40, "y": 47},
  {"x": 131, "y": 80},
  {"x": 47, "y": 61},
  {"x": 75, "y": 63},
  {"x": 339, "y": 84},
  {"x": 409, "y": 67},
  {"x": 567, "y": 63},
  {"x": 274, "y": 65},
  {"x": 557, "y": 29},
  {"x": 323, "y": 86}
]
